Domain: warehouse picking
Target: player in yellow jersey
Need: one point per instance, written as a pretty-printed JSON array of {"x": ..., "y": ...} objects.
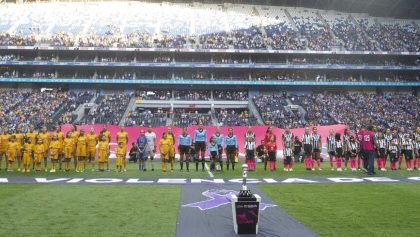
[
  {"x": 39, "y": 151},
  {"x": 92, "y": 141},
  {"x": 60, "y": 138},
  {"x": 19, "y": 139},
  {"x": 4, "y": 142},
  {"x": 165, "y": 145},
  {"x": 120, "y": 153},
  {"x": 106, "y": 133},
  {"x": 75, "y": 135},
  {"x": 122, "y": 137},
  {"x": 32, "y": 135},
  {"x": 171, "y": 136},
  {"x": 68, "y": 145},
  {"x": 54, "y": 151},
  {"x": 103, "y": 153},
  {"x": 45, "y": 137},
  {"x": 28, "y": 149},
  {"x": 12, "y": 150},
  {"x": 81, "y": 151}
]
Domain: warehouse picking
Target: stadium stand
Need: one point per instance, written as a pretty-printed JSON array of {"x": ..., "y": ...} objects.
[{"x": 207, "y": 26}]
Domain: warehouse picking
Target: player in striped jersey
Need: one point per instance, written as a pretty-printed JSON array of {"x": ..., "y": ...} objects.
[
  {"x": 408, "y": 146},
  {"x": 338, "y": 150},
  {"x": 346, "y": 140},
  {"x": 354, "y": 150},
  {"x": 317, "y": 146},
  {"x": 287, "y": 157},
  {"x": 393, "y": 153},
  {"x": 331, "y": 148},
  {"x": 416, "y": 157},
  {"x": 287, "y": 138},
  {"x": 307, "y": 148},
  {"x": 380, "y": 151},
  {"x": 250, "y": 152},
  {"x": 388, "y": 138},
  {"x": 418, "y": 152},
  {"x": 401, "y": 138}
]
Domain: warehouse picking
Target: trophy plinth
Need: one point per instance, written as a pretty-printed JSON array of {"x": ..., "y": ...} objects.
[{"x": 245, "y": 208}]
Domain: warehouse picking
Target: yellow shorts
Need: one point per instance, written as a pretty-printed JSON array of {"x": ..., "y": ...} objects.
[
  {"x": 103, "y": 156},
  {"x": 164, "y": 156},
  {"x": 38, "y": 157},
  {"x": 11, "y": 156},
  {"x": 26, "y": 159},
  {"x": 68, "y": 152},
  {"x": 119, "y": 161},
  {"x": 91, "y": 152},
  {"x": 81, "y": 151}
]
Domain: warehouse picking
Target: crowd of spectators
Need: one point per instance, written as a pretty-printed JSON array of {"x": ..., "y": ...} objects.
[
  {"x": 230, "y": 95},
  {"x": 192, "y": 95},
  {"x": 311, "y": 32},
  {"x": 153, "y": 95},
  {"x": 38, "y": 108},
  {"x": 356, "y": 109},
  {"x": 110, "y": 109},
  {"x": 183, "y": 118},
  {"x": 146, "y": 118},
  {"x": 232, "y": 117},
  {"x": 274, "y": 111}
]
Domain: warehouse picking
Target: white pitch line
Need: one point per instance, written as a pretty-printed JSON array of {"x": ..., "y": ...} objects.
[{"x": 208, "y": 170}]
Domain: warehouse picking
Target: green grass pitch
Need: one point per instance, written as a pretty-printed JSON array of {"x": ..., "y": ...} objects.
[
  {"x": 352, "y": 209},
  {"x": 86, "y": 210}
]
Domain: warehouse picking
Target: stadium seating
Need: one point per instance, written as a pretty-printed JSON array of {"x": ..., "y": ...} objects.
[{"x": 207, "y": 26}]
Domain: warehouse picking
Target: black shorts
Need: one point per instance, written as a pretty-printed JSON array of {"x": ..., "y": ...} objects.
[
  {"x": 339, "y": 152},
  {"x": 230, "y": 149},
  {"x": 184, "y": 150},
  {"x": 408, "y": 154},
  {"x": 331, "y": 153},
  {"x": 381, "y": 153},
  {"x": 287, "y": 160},
  {"x": 250, "y": 155},
  {"x": 307, "y": 148},
  {"x": 393, "y": 157},
  {"x": 213, "y": 155},
  {"x": 200, "y": 146},
  {"x": 272, "y": 156},
  {"x": 347, "y": 155}
]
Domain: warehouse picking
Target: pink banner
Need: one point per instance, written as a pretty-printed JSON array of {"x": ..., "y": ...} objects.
[{"x": 134, "y": 132}]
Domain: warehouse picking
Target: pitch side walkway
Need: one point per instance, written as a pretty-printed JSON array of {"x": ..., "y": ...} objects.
[
  {"x": 206, "y": 181},
  {"x": 206, "y": 212}
]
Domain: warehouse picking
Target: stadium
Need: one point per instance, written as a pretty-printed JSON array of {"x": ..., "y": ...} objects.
[{"x": 146, "y": 118}]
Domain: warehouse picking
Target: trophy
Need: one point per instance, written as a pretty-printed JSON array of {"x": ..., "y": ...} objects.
[
  {"x": 245, "y": 208},
  {"x": 244, "y": 192}
]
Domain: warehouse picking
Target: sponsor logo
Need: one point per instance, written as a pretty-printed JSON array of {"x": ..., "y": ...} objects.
[{"x": 219, "y": 197}]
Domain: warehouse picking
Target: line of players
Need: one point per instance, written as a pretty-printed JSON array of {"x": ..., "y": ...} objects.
[{"x": 31, "y": 148}]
